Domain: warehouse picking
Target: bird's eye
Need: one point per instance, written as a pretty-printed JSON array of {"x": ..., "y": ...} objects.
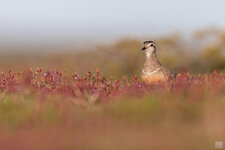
[{"x": 152, "y": 45}]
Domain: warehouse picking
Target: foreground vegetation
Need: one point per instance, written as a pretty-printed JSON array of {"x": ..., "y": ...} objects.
[{"x": 56, "y": 110}]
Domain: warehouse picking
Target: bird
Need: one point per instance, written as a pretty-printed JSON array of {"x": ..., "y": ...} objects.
[{"x": 153, "y": 71}]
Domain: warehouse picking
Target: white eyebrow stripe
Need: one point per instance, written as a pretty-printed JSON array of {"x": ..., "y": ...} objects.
[{"x": 150, "y": 73}]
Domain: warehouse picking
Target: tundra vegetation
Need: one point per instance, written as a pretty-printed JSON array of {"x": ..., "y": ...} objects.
[{"x": 110, "y": 107}]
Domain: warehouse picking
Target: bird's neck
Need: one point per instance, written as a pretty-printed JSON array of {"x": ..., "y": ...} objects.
[
  {"x": 151, "y": 56},
  {"x": 151, "y": 61}
]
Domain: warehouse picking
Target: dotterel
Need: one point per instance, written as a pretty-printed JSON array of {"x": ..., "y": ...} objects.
[{"x": 153, "y": 70}]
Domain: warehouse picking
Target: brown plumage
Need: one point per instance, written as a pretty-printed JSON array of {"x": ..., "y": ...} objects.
[{"x": 153, "y": 70}]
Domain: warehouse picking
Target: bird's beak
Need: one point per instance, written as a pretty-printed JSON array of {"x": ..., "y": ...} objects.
[{"x": 143, "y": 48}]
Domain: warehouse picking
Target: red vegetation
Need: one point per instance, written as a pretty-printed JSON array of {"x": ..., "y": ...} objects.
[
  {"x": 37, "y": 109},
  {"x": 54, "y": 82}
]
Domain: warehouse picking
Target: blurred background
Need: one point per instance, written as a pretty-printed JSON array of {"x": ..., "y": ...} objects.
[{"x": 81, "y": 35}]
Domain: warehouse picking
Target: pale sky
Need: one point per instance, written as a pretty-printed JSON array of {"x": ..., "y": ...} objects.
[{"x": 99, "y": 20}]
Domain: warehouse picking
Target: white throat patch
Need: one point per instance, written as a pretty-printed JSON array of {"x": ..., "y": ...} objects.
[{"x": 148, "y": 54}]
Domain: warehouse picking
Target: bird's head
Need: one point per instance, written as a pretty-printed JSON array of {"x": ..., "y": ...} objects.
[{"x": 149, "y": 46}]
